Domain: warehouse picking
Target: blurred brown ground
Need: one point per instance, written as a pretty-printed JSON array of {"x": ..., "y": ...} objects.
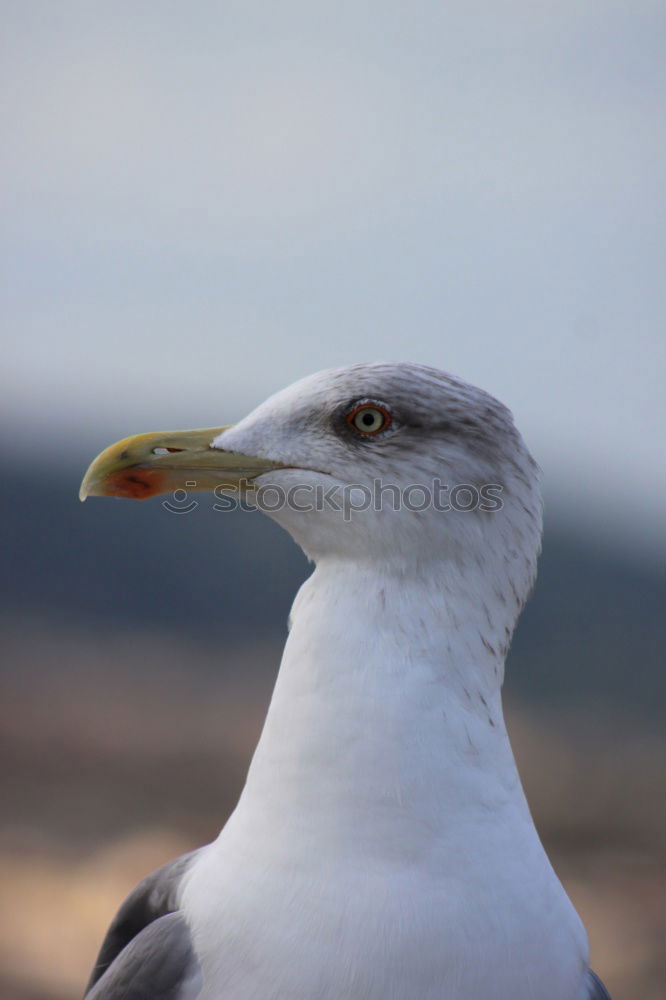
[{"x": 121, "y": 751}]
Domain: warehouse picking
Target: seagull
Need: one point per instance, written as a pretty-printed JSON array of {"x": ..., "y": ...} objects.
[{"x": 382, "y": 847}]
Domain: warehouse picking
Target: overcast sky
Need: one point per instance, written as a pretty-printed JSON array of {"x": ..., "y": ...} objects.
[{"x": 204, "y": 201}]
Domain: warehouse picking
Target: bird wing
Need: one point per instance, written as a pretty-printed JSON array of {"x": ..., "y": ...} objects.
[
  {"x": 159, "y": 963},
  {"x": 595, "y": 988},
  {"x": 147, "y": 951}
]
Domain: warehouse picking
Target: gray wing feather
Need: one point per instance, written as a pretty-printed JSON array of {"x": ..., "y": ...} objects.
[
  {"x": 595, "y": 988},
  {"x": 154, "y": 898},
  {"x": 158, "y": 964}
]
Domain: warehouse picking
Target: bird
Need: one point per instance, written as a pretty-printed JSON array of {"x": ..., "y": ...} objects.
[{"x": 382, "y": 847}]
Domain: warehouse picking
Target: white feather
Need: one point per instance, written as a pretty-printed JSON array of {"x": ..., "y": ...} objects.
[{"x": 382, "y": 848}]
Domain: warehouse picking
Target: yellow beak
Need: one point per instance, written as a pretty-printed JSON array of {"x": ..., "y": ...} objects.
[{"x": 147, "y": 465}]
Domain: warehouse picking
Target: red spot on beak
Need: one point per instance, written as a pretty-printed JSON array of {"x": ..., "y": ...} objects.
[{"x": 135, "y": 484}]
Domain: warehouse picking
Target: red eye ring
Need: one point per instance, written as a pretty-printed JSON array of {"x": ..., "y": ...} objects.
[{"x": 369, "y": 419}]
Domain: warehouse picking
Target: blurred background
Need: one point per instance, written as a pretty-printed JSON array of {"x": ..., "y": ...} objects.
[{"x": 205, "y": 201}]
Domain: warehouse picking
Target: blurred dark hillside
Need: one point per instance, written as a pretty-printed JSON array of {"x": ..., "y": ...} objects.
[{"x": 593, "y": 632}]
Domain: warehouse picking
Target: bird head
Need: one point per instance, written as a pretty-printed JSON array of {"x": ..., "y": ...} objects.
[{"x": 397, "y": 463}]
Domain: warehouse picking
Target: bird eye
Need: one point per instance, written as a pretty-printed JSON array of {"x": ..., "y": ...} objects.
[{"x": 369, "y": 418}]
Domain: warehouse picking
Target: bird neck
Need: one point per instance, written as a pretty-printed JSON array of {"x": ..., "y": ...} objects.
[{"x": 387, "y": 704}]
